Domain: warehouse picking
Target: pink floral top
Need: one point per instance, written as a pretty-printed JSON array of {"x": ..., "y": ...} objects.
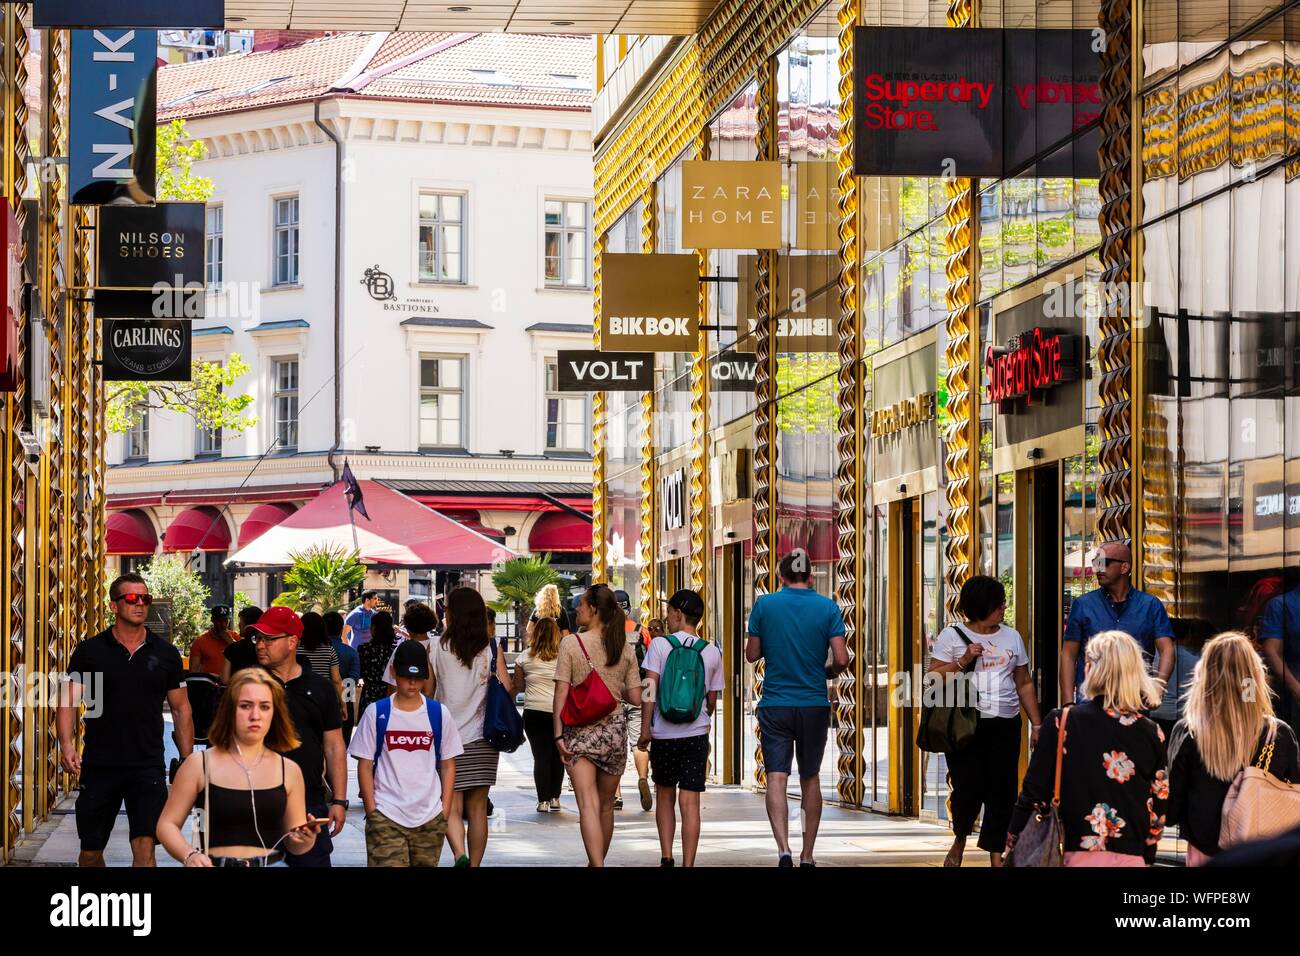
[{"x": 1114, "y": 784}]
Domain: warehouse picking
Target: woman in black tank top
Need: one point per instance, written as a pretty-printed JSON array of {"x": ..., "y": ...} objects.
[{"x": 252, "y": 797}]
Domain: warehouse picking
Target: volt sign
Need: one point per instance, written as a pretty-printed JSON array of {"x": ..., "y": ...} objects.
[{"x": 588, "y": 371}]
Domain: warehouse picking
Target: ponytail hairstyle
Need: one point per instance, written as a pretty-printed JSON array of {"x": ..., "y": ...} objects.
[{"x": 601, "y": 601}]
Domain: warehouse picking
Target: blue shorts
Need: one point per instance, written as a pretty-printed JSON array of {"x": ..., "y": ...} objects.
[{"x": 790, "y": 733}]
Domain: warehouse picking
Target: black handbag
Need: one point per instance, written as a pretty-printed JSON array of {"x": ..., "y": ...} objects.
[{"x": 946, "y": 728}]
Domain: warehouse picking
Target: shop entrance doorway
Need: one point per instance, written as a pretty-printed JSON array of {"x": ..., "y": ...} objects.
[{"x": 1042, "y": 576}]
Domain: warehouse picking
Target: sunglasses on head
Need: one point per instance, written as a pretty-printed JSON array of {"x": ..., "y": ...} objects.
[
  {"x": 257, "y": 637},
  {"x": 133, "y": 599}
]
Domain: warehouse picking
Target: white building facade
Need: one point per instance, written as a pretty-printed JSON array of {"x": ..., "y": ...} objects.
[{"x": 398, "y": 255}]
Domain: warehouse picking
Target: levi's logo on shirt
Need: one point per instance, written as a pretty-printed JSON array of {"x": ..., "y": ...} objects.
[{"x": 411, "y": 740}]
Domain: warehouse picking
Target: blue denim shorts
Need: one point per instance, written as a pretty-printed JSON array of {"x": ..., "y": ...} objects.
[{"x": 793, "y": 733}]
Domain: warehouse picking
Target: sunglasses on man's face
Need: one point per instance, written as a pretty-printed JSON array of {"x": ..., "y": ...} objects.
[
  {"x": 1100, "y": 562},
  {"x": 257, "y": 637},
  {"x": 134, "y": 599}
]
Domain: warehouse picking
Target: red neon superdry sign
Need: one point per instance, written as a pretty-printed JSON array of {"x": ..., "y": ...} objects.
[
  {"x": 890, "y": 101},
  {"x": 1031, "y": 364}
]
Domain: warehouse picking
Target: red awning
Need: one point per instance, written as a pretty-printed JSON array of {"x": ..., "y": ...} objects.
[
  {"x": 261, "y": 520},
  {"x": 130, "y": 532},
  {"x": 400, "y": 533},
  {"x": 202, "y": 529},
  {"x": 472, "y": 520},
  {"x": 560, "y": 532},
  {"x": 499, "y": 502}
]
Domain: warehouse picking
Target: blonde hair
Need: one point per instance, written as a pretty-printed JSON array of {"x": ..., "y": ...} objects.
[
  {"x": 1118, "y": 673},
  {"x": 1228, "y": 704},
  {"x": 547, "y": 602},
  {"x": 545, "y": 642},
  {"x": 280, "y": 734}
]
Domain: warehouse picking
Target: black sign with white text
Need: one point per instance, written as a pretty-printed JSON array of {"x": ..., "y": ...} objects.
[
  {"x": 165, "y": 304},
  {"x": 151, "y": 247},
  {"x": 146, "y": 350},
  {"x": 125, "y": 14},
  {"x": 590, "y": 371}
]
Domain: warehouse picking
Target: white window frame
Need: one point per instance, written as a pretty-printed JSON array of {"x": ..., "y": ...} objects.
[
  {"x": 214, "y": 246},
  {"x": 137, "y": 436},
  {"x": 294, "y": 230},
  {"x": 552, "y": 361},
  {"x": 564, "y": 230},
  {"x": 208, "y": 441},
  {"x": 420, "y": 221},
  {"x": 278, "y": 393},
  {"x": 463, "y": 391}
]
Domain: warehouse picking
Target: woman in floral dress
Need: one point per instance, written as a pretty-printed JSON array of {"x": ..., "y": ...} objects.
[{"x": 1114, "y": 785}]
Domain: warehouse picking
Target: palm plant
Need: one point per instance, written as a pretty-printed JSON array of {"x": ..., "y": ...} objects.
[
  {"x": 320, "y": 579},
  {"x": 517, "y": 582}
]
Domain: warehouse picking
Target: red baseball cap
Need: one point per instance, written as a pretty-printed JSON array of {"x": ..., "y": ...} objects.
[{"x": 279, "y": 620}]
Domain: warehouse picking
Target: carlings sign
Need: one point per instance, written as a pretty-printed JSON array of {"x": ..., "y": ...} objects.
[{"x": 143, "y": 350}]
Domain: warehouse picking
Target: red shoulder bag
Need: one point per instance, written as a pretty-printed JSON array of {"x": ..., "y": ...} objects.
[{"x": 589, "y": 700}]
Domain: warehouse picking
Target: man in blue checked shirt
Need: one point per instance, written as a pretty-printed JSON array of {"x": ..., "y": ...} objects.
[{"x": 1115, "y": 605}]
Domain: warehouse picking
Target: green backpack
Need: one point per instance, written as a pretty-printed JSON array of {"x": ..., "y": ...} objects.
[{"x": 682, "y": 685}]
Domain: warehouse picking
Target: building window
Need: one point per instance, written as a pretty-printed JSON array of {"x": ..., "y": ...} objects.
[
  {"x": 286, "y": 241},
  {"x": 566, "y": 415},
  {"x": 215, "y": 245},
  {"x": 285, "y": 403},
  {"x": 442, "y": 402},
  {"x": 568, "y": 244},
  {"x": 207, "y": 441},
  {"x": 137, "y": 439},
  {"x": 442, "y": 237}
]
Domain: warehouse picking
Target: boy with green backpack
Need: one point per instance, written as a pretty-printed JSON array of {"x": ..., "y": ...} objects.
[{"x": 684, "y": 675}]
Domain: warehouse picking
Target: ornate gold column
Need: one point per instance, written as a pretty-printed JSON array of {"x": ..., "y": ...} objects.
[
  {"x": 701, "y": 542},
  {"x": 646, "y": 548},
  {"x": 765, "y": 384},
  {"x": 599, "y": 433},
  {"x": 961, "y": 443},
  {"x": 849, "y": 437},
  {"x": 1115, "y": 351}
]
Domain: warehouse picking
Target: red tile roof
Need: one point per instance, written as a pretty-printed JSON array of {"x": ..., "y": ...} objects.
[{"x": 542, "y": 71}]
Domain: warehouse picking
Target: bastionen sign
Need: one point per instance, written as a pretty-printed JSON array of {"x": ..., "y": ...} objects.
[
  {"x": 112, "y": 116},
  {"x": 731, "y": 205},
  {"x": 649, "y": 303},
  {"x": 162, "y": 14},
  {"x": 588, "y": 371},
  {"x": 982, "y": 104},
  {"x": 146, "y": 350},
  {"x": 151, "y": 247},
  {"x": 1031, "y": 365}
]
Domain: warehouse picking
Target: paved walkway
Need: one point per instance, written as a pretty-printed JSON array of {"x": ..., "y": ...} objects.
[{"x": 735, "y": 833}]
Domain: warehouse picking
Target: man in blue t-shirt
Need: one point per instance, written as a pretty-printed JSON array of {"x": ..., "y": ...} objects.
[
  {"x": 792, "y": 631},
  {"x": 1115, "y": 605},
  {"x": 358, "y": 619},
  {"x": 349, "y": 671},
  {"x": 1279, "y": 632}
]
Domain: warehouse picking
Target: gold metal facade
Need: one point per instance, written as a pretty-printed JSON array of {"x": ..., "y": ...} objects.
[{"x": 53, "y": 515}]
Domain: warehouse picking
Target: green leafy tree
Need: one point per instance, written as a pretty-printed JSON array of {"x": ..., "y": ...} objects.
[
  {"x": 320, "y": 579},
  {"x": 208, "y": 397},
  {"x": 517, "y": 582},
  {"x": 170, "y": 580}
]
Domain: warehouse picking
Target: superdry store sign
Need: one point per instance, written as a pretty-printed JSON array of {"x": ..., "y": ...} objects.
[
  {"x": 939, "y": 102},
  {"x": 1032, "y": 364}
]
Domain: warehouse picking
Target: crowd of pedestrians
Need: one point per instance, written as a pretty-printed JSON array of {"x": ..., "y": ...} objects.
[{"x": 1164, "y": 727}]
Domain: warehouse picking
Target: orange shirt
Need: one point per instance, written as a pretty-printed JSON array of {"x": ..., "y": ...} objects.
[{"x": 207, "y": 653}]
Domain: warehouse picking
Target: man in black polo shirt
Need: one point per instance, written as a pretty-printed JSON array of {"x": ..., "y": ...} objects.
[
  {"x": 314, "y": 707},
  {"x": 124, "y": 674}
]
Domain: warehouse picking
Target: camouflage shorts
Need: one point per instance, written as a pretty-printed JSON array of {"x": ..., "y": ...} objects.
[{"x": 391, "y": 844}]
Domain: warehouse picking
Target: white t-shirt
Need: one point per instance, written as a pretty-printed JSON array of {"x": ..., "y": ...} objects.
[
  {"x": 389, "y": 676},
  {"x": 1004, "y": 651},
  {"x": 408, "y": 789},
  {"x": 539, "y": 682},
  {"x": 656, "y": 658},
  {"x": 461, "y": 689}
]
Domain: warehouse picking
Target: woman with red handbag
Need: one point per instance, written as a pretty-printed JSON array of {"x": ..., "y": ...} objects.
[{"x": 595, "y": 673}]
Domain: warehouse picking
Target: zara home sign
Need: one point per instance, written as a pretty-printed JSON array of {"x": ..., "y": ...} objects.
[
  {"x": 731, "y": 205},
  {"x": 649, "y": 303}
]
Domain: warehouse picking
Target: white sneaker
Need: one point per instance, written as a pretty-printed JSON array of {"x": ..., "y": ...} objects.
[
  {"x": 555, "y": 805},
  {"x": 541, "y": 807}
]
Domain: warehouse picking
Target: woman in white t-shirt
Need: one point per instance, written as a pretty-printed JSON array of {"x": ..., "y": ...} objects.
[
  {"x": 462, "y": 660},
  {"x": 986, "y": 771},
  {"x": 535, "y": 676}
]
